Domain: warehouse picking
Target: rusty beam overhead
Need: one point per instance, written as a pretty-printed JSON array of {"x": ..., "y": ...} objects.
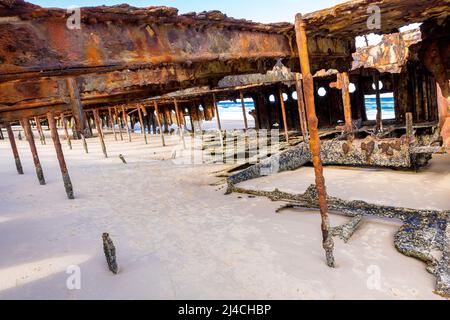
[{"x": 350, "y": 19}]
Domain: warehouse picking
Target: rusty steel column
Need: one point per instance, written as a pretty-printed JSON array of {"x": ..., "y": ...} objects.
[
  {"x": 283, "y": 112},
  {"x": 409, "y": 127},
  {"x": 98, "y": 124},
  {"x": 180, "y": 125},
  {"x": 347, "y": 102},
  {"x": 308, "y": 81},
  {"x": 243, "y": 110},
  {"x": 142, "y": 124},
  {"x": 77, "y": 111},
  {"x": 29, "y": 135},
  {"x": 119, "y": 122},
  {"x": 12, "y": 141},
  {"x": 159, "y": 124},
  {"x": 66, "y": 132},
  {"x": 60, "y": 156},
  {"x": 125, "y": 122},
  {"x": 301, "y": 107},
  {"x": 219, "y": 125},
  {"x": 112, "y": 123},
  {"x": 376, "y": 81},
  {"x": 40, "y": 131}
]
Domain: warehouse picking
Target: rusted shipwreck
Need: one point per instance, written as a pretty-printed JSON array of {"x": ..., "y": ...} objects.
[{"x": 124, "y": 65}]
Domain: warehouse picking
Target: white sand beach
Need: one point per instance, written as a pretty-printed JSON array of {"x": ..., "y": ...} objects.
[{"x": 179, "y": 237}]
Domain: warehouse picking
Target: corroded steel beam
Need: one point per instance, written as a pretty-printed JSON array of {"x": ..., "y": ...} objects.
[{"x": 314, "y": 141}]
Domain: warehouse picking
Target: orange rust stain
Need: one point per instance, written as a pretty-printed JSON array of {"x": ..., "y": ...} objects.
[{"x": 93, "y": 52}]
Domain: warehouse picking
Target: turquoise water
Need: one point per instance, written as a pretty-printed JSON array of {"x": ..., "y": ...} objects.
[
  {"x": 387, "y": 106},
  {"x": 234, "y": 110}
]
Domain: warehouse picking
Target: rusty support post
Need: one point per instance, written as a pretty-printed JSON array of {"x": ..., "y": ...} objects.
[
  {"x": 12, "y": 141},
  {"x": 29, "y": 135},
  {"x": 125, "y": 122},
  {"x": 66, "y": 132},
  {"x": 301, "y": 108},
  {"x": 112, "y": 123},
  {"x": 77, "y": 110},
  {"x": 308, "y": 81},
  {"x": 98, "y": 124},
  {"x": 219, "y": 125},
  {"x": 40, "y": 131},
  {"x": 60, "y": 155},
  {"x": 119, "y": 123},
  {"x": 347, "y": 102},
  {"x": 376, "y": 81},
  {"x": 159, "y": 124},
  {"x": 180, "y": 125},
  {"x": 283, "y": 112},
  {"x": 141, "y": 123},
  {"x": 409, "y": 127},
  {"x": 243, "y": 110}
]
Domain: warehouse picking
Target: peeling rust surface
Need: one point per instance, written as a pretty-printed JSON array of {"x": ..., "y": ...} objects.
[{"x": 388, "y": 56}]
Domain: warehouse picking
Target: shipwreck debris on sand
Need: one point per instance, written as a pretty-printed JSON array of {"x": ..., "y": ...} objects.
[
  {"x": 110, "y": 253},
  {"x": 423, "y": 232}
]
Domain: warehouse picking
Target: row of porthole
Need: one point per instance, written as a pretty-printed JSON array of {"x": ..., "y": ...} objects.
[{"x": 322, "y": 92}]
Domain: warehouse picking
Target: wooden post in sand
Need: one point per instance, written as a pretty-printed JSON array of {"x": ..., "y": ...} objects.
[
  {"x": 283, "y": 112},
  {"x": 314, "y": 142},
  {"x": 37, "y": 164},
  {"x": 125, "y": 122},
  {"x": 159, "y": 124},
  {"x": 98, "y": 124},
  {"x": 60, "y": 155},
  {"x": 141, "y": 123},
  {"x": 66, "y": 132},
  {"x": 12, "y": 141},
  {"x": 243, "y": 110}
]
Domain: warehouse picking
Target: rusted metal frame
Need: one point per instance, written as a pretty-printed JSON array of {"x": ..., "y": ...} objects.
[
  {"x": 142, "y": 124},
  {"x": 301, "y": 108},
  {"x": 98, "y": 124},
  {"x": 112, "y": 123},
  {"x": 159, "y": 124},
  {"x": 308, "y": 81},
  {"x": 283, "y": 113},
  {"x": 180, "y": 125},
  {"x": 125, "y": 122},
  {"x": 66, "y": 132},
  {"x": 37, "y": 164},
  {"x": 118, "y": 120},
  {"x": 37, "y": 120},
  {"x": 379, "y": 120},
  {"x": 243, "y": 110},
  {"x": 12, "y": 141},
  {"x": 60, "y": 155}
]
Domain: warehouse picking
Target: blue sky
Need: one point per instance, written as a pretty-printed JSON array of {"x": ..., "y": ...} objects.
[{"x": 256, "y": 10}]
